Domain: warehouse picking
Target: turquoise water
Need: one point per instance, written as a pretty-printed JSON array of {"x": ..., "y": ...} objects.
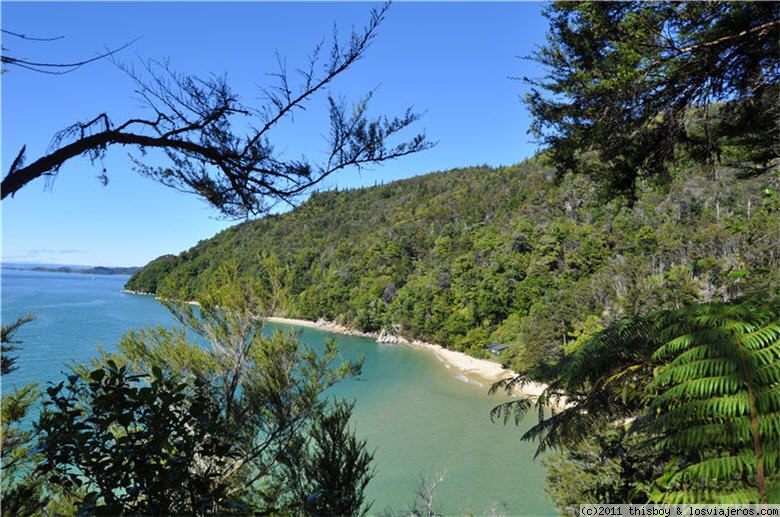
[{"x": 419, "y": 416}]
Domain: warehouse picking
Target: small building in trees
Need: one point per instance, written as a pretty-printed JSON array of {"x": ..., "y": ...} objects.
[{"x": 497, "y": 348}]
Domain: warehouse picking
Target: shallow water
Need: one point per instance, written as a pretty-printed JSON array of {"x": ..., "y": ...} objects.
[{"x": 420, "y": 416}]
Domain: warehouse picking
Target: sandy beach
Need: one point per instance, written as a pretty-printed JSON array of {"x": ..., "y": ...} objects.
[{"x": 481, "y": 371}]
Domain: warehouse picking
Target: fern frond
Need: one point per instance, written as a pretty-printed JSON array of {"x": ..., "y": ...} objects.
[
  {"x": 702, "y": 383},
  {"x": 674, "y": 347},
  {"x": 715, "y": 496},
  {"x": 514, "y": 408},
  {"x": 769, "y": 354},
  {"x": 706, "y": 387},
  {"x": 563, "y": 429},
  {"x": 719, "y": 392},
  {"x": 762, "y": 337},
  {"x": 509, "y": 384},
  {"x": 769, "y": 430},
  {"x": 709, "y": 435},
  {"x": 768, "y": 399},
  {"x": 768, "y": 375},
  {"x": 715, "y": 469},
  {"x": 704, "y": 411},
  {"x": 715, "y": 368},
  {"x": 771, "y": 456}
]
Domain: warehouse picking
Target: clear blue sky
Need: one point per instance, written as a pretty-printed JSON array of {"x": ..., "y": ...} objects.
[{"x": 452, "y": 61}]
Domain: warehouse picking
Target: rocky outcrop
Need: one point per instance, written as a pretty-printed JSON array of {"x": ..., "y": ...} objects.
[{"x": 386, "y": 336}]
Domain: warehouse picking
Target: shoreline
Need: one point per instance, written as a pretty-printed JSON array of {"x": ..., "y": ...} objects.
[{"x": 483, "y": 372}]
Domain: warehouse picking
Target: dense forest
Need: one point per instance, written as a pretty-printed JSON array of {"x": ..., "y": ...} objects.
[
  {"x": 631, "y": 266},
  {"x": 472, "y": 256}
]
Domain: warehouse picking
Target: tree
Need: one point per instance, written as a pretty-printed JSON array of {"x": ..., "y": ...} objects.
[
  {"x": 631, "y": 83},
  {"x": 597, "y": 384},
  {"x": 333, "y": 468},
  {"x": 10, "y": 343},
  {"x": 615, "y": 465},
  {"x": 140, "y": 444},
  {"x": 701, "y": 383},
  {"x": 426, "y": 493},
  {"x": 243, "y": 418},
  {"x": 716, "y": 402},
  {"x": 21, "y": 493},
  {"x": 48, "y": 68},
  {"x": 194, "y": 122}
]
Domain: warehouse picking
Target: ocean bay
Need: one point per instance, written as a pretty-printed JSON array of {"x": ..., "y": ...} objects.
[{"x": 418, "y": 415}]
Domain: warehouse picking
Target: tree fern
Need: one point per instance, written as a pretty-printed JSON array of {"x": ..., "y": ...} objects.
[
  {"x": 720, "y": 379},
  {"x": 702, "y": 383},
  {"x": 602, "y": 381}
]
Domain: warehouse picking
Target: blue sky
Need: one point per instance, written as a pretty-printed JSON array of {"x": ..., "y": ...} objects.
[{"x": 451, "y": 60}]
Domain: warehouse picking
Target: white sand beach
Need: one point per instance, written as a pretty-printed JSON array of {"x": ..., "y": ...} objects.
[
  {"x": 293, "y": 321},
  {"x": 481, "y": 371}
]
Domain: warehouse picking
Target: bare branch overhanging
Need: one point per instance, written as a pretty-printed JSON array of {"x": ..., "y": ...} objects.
[{"x": 194, "y": 123}]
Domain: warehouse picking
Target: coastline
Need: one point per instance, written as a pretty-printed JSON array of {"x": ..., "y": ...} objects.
[
  {"x": 480, "y": 371},
  {"x": 483, "y": 372}
]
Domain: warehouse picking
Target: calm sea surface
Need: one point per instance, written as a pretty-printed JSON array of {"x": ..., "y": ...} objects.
[{"x": 419, "y": 415}]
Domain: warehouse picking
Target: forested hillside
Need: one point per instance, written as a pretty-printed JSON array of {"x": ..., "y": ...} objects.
[{"x": 472, "y": 256}]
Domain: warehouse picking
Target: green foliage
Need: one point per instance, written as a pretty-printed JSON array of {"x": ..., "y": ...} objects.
[
  {"x": 613, "y": 465},
  {"x": 333, "y": 468},
  {"x": 473, "y": 256},
  {"x": 21, "y": 493},
  {"x": 701, "y": 383},
  {"x": 9, "y": 343},
  {"x": 599, "y": 383},
  {"x": 632, "y": 86},
  {"x": 135, "y": 443},
  {"x": 718, "y": 401},
  {"x": 154, "y": 272},
  {"x": 166, "y": 425}
]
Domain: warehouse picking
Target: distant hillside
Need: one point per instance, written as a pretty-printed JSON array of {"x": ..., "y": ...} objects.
[
  {"x": 479, "y": 255},
  {"x": 85, "y": 270}
]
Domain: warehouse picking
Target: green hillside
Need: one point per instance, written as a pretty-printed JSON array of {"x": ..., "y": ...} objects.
[{"x": 472, "y": 256}]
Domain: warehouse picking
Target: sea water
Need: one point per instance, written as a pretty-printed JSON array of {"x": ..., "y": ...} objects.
[{"x": 423, "y": 419}]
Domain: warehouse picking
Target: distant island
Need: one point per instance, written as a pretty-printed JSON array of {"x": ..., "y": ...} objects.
[{"x": 84, "y": 270}]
